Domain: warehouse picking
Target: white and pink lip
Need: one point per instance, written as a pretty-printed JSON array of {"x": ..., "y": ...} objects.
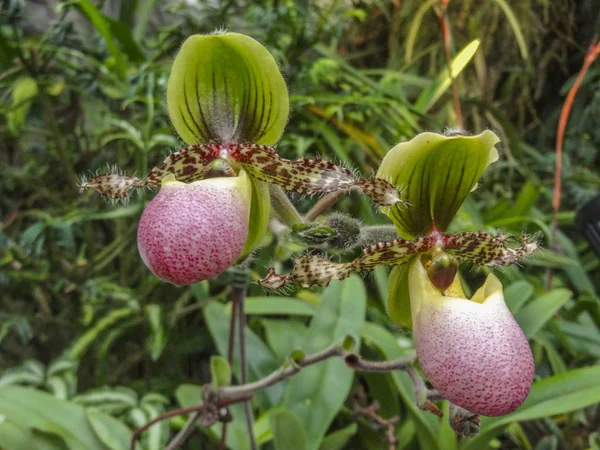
[{"x": 471, "y": 350}]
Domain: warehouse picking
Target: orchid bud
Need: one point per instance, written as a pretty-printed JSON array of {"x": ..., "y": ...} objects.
[
  {"x": 192, "y": 232},
  {"x": 472, "y": 351}
]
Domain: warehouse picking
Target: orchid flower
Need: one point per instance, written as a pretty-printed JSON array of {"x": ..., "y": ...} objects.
[
  {"x": 472, "y": 351},
  {"x": 228, "y": 101}
]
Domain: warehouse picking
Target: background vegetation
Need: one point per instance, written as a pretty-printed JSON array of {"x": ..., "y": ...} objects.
[{"x": 82, "y": 85}]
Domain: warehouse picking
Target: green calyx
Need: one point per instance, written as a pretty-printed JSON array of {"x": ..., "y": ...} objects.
[
  {"x": 434, "y": 174},
  {"x": 227, "y": 88}
]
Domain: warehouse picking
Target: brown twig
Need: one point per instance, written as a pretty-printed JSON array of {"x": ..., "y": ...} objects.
[
  {"x": 590, "y": 56},
  {"x": 370, "y": 412},
  {"x": 180, "y": 412},
  {"x": 323, "y": 205},
  {"x": 230, "y": 345},
  {"x": 242, "y": 393},
  {"x": 239, "y": 291}
]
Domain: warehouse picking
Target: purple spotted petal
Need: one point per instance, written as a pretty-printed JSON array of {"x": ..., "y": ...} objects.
[
  {"x": 192, "y": 232},
  {"x": 473, "y": 352}
]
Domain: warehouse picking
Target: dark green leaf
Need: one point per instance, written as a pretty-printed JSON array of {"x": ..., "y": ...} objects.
[
  {"x": 261, "y": 361},
  {"x": 288, "y": 432},
  {"x": 534, "y": 316},
  {"x": 317, "y": 393}
]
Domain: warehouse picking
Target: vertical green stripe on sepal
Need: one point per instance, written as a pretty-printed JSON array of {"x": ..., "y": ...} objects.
[
  {"x": 434, "y": 174},
  {"x": 227, "y": 88}
]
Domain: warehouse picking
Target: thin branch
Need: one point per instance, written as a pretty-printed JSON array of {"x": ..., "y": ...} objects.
[
  {"x": 189, "y": 426},
  {"x": 371, "y": 413},
  {"x": 239, "y": 292},
  {"x": 323, "y": 205},
  {"x": 180, "y": 412},
  {"x": 354, "y": 361},
  {"x": 590, "y": 57},
  {"x": 230, "y": 346},
  {"x": 243, "y": 393},
  {"x": 288, "y": 370}
]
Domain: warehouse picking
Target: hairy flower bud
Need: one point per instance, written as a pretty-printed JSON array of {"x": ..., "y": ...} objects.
[
  {"x": 472, "y": 351},
  {"x": 192, "y": 232}
]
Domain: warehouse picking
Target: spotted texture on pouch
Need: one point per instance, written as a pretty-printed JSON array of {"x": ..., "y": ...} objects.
[
  {"x": 474, "y": 354},
  {"x": 192, "y": 232}
]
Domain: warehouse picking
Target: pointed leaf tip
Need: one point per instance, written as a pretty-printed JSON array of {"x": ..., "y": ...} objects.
[{"x": 226, "y": 88}]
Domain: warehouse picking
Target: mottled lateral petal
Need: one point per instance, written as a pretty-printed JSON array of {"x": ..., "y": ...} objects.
[
  {"x": 113, "y": 185},
  {"x": 308, "y": 176},
  {"x": 484, "y": 249},
  {"x": 187, "y": 165},
  {"x": 310, "y": 270}
]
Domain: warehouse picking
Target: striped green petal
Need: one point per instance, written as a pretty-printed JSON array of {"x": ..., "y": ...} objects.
[
  {"x": 434, "y": 174},
  {"x": 227, "y": 88}
]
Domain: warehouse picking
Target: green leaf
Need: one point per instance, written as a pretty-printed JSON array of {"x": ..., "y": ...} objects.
[
  {"x": 381, "y": 339},
  {"x": 317, "y": 393},
  {"x": 102, "y": 25},
  {"x": 81, "y": 345},
  {"x": 17, "y": 437},
  {"x": 227, "y": 88},
  {"x": 261, "y": 361},
  {"x": 288, "y": 432},
  {"x": 338, "y": 439},
  {"x": 415, "y": 24},
  {"x": 435, "y": 90},
  {"x": 24, "y": 91},
  {"x": 274, "y": 305},
  {"x": 35, "y": 409},
  {"x": 554, "y": 358},
  {"x": 517, "y": 294},
  {"x": 111, "y": 431},
  {"x": 220, "y": 372},
  {"x": 123, "y": 34},
  {"x": 157, "y": 338},
  {"x": 551, "y": 396},
  {"x": 514, "y": 23},
  {"x": 534, "y": 316},
  {"x": 398, "y": 306},
  {"x": 284, "y": 336},
  {"x": 434, "y": 174}
]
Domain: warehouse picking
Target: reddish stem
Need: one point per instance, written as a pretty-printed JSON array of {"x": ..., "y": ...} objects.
[{"x": 591, "y": 54}]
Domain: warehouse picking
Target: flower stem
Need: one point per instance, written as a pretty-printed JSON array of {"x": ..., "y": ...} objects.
[{"x": 283, "y": 206}]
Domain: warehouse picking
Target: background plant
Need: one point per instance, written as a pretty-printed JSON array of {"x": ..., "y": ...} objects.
[{"x": 83, "y": 85}]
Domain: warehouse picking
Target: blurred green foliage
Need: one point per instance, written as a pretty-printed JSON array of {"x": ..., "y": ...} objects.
[{"x": 82, "y": 85}]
